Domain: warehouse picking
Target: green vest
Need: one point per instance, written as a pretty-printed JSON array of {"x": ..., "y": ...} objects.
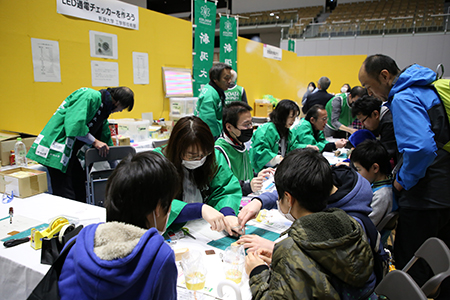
[
  {"x": 345, "y": 118},
  {"x": 303, "y": 133},
  {"x": 225, "y": 190},
  {"x": 53, "y": 146},
  {"x": 234, "y": 94},
  {"x": 209, "y": 109},
  {"x": 238, "y": 161}
]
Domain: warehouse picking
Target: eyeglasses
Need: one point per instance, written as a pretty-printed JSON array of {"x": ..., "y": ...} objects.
[
  {"x": 246, "y": 125},
  {"x": 362, "y": 122},
  {"x": 195, "y": 157}
]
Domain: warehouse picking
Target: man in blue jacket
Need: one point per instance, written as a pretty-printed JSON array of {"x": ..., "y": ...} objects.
[{"x": 421, "y": 128}]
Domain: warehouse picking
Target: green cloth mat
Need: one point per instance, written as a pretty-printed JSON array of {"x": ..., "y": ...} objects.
[{"x": 225, "y": 242}]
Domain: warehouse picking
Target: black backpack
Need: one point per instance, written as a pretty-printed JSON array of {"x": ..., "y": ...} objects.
[{"x": 47, "y": 288}]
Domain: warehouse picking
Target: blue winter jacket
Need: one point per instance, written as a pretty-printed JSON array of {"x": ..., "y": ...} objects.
[
  {"x": 419, "y": 121},
  {"x": 148, "y": 272}
]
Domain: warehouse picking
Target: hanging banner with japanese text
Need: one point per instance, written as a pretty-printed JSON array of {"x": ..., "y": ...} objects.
[
  {"x": 205, "y": 21},
  {"x": 291, "y": 45},
  {"x": 228, "y": 41},
  {"x": 115, "y": 13}
]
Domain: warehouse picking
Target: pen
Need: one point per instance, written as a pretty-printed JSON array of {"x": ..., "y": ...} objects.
[{"x": 11, "y": 212}]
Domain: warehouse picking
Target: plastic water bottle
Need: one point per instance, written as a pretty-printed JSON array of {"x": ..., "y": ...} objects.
[{"x": 21, "y": 153}]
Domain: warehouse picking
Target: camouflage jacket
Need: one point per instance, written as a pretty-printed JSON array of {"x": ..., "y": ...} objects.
[{"x": 318, "y": 246}]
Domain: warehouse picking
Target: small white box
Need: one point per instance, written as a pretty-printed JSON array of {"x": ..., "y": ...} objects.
[
  {"x": 136, "y": 129},
  {"x": 182, "y": 106}
]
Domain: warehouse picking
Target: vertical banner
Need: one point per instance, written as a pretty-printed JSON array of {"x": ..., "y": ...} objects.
[
  {"x": 205, "y": 21},
  {"x": 291, "y": 45},
  {"x": 228, "y": 41}
]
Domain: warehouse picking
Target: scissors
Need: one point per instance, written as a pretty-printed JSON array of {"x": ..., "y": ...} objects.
[{"x": 186, "y": 232}]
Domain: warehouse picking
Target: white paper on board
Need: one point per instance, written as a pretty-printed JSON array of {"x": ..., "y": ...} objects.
[
  {"x": 140, "y": 68},
  {"x": 104, "y": 73},
  {"x": 46, "y": 64}
]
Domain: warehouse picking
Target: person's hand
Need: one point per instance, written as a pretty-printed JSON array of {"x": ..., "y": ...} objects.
[
  {"x": 397, "y": 185},
  {"x": 252, "y": 261},
  {"x": 266, "y": 172},
  {"x": 313, "y": 147},
  {"x": 265, "y": 255},
  {"x": 352, "y": 130},
  {"x": 234, "y": 225},
  {"x": 253, "y": 242},
  {"x": 215, "y": 218},
  {"x": 102, "y": 148},
  {"x": 257, "y": 182},
  {"x": 250, "y": 211},
  {"x": 340, "y": 143}
]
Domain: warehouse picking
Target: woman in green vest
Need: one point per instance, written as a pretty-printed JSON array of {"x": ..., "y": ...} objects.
[
  {"x": 209, "y": 189},
  {"x": 273, "y": 140},
  {"x": 80, "y": 122}
]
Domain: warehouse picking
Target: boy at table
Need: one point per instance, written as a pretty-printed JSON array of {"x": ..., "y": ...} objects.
[
  {"x": 126, "y": 257},
  {"x": 237, "y": 130},
  {"x": 322, "y": 251},
  {"x": 371, "y": 160}
]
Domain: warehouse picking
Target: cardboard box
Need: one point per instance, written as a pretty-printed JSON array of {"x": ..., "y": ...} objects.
[
  {"x": 121, "y": 140},
  {"x": 7, "y": 142},
  {"x": 263, "y": 109},
  {"x": 23, "y": 182}
]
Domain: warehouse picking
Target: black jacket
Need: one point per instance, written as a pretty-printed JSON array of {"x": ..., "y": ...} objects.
[{"x": 320, "y": 97}]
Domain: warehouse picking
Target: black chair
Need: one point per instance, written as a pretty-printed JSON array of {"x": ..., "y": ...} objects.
[
  {"x": 96, "y": 179},
  {"x": 437, "y": 255},
  {"x": 399, "y": 285}
]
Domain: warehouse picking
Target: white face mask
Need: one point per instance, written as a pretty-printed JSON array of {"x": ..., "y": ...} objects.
[
  {"x": 311, "y": 88},
  {"x": 193, "y": 164},
  {"x": 156, "y": 224},
  {"x": 344, "y": 89},
  {"x": 288, "y": 215}
]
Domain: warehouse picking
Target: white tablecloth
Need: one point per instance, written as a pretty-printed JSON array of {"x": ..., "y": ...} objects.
[{"x": 20, "y": 267}]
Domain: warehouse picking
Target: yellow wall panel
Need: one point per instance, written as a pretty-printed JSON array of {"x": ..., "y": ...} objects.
[
  {"x": 288, "y": 78},
  {"x": 26, "y": 106}
]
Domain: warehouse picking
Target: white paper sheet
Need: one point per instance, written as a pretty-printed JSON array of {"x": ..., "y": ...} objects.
[
  {"x": 46, "y": 64},
  {"x": 105, "y": 73},
  {"x": 140, "y": 68}
]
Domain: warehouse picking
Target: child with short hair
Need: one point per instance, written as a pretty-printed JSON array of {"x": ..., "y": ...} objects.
[
  {"x": 372, "y": 161},
  {"x": 324, "y": 254}
]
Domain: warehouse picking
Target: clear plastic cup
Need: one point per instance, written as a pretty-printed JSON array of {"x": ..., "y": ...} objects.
[
  {"x": 233, "y": 263},
  {"x": 194, "y": 270}
]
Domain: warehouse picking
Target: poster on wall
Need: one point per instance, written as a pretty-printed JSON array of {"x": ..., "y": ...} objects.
[
  {"x": 228, "y": 41},
  {"x": 272, "y": 52},
  {"x": 105, "y": 73},
  {"x": 116, "y": 13},
  {"x": 103, "y": 44},
  {"x": 140, "y": 68},
  {"x": 205, "y": 22},
  {"x": 46, "y": 64}
]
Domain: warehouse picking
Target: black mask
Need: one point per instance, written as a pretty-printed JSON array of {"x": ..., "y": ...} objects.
[{"x": 246, "y": 135}]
